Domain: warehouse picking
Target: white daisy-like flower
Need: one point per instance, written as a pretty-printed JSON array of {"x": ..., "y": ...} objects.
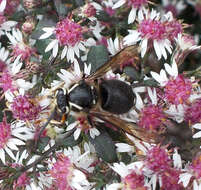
[
  {"x": 65, "y": 165},
  {"x": 12, "y": 135},
  {"x": 162, "y": 78},
  {"x": 128, "y": 175},
  {"x": 137, "y": 7},
  {"x": 68, "y": 35},
  {"x": 5, "y": 25},
  {"x": 18, "y": 46},
  {"x": 154, "y": 30},
  {"x": 74, "y": 75}
]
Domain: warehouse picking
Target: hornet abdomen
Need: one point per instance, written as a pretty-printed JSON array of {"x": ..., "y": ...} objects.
[{"x": 116, "y": 96}]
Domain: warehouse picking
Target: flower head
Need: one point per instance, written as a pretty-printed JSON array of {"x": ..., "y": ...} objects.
[
  {"x": 68, "y": 34},
  {"x": 155, "y": 31},
  {"x": 151, "y": 117},
  {"x": 193, "y": 112},
  {"x": 19, "y": 47},
  {"x": 178, "y": 90},
  {"x": 157, "y": 159},
  {"x": 10, "y": 135},
  {"x": 170, "y": 179},
  {"x": 64, "y": 173},
  {"x": 24, "y": 108}
]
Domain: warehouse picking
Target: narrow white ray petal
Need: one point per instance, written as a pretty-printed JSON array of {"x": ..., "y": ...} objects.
[
  {"x": 197, "y": 126},
  {"x": 11, "y": 145},
  {"x": 157, "y": 49},
  {"x": 8, "y": 25},
  {"x": 156, "y": 76},
  {"x": 132, "y": 15},
  {"x": 55, "y": 50},
  {"x": 11, "y": 38},
  {"x": 2, "y": 52},
  {"x": 77, "y": 68},
  {"x": 76, "y": 50},
  {"x": 81, "y": 47},
  {"x": 51, "y": 45},
  {"x": 168, "y": 46},
  {"x": 185, "y": 179},
  {"x": 70, "y": 55},
  {"x": 139, "y": 103},
  {"x": 168, "y": 69},
  {"x": 2, "y": 6},
  {"x": 174, "y": 69},
  {"x": 64, "y": 51},
  {"x": 197, "y": 135},
  {"x": 144, "y": 47},
  {"x": 19, "y": 36},
  {"x": 162, "y": 48},
  {"x": 2, "y": 156},
  {"x": 140, "y": 15},
  {"x": 18, "y": 141},
  {"x": 10, "y": 153},
  {"x": 71, "y": 126},
  {"x": 45, "y": 35},
  {"x": 77, "y": 133},
  {"x": 118, "y": 4}
]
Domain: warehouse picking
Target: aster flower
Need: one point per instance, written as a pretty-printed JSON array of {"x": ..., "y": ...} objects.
[
  {"x": 64, "y": 173},
  {"x": 135, "y": 5},
  {"x": 12, "y": 135},
  {"x": 19, "y": 47},
  {"x": 69, "y": 35},
  {"x": 177, "y": 89},
  {"x": 131, "y": 177},
  {"x": 192, "y": 174},
  {"x": 155, "y": 31}
]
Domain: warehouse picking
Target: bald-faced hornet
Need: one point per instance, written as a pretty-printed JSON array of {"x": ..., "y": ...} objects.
[{"x": 104, "y": 99}]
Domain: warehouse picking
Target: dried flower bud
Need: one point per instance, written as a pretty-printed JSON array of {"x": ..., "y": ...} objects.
[{"x": 29, "y": 25}]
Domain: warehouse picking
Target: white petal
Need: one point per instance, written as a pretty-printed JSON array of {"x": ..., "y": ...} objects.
[
  {"x": 45, "y": 35},
  {"x": 2, "y": 156},
  {"x": 17, "y": 141},
  {"x": 64, "y": 51},
  {"x": 132, "y": 15},
  {"x": 2, "y": 6},
  {"x": 77, "y": 133},
  {"x": 197, "y": 126},
  {"x": 157, "y": 49},
  {"x": 11, "y": 145},
  {"x": 10, "y": 153},
  {"x": 51, "y": 45},
  {"x": 55, "y": 50},
  {"x": 144, "y": 47},
  {"x": 185, "y": 179},
  {"x": 119, "y": 4},
  {"x": 197, "y": 135}
]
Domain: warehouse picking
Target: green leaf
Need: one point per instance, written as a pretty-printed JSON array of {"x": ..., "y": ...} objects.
[
  {"x": 41, "y": 46},
  {"x": 43, "y": 143},
  {"x": 70, "y": 141},
  {"x": 97, "y": 56},
  {"x": 132, "y": 73},
  {"x": 104, "y": 146},
  {"x": 47, "y": 21}
]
